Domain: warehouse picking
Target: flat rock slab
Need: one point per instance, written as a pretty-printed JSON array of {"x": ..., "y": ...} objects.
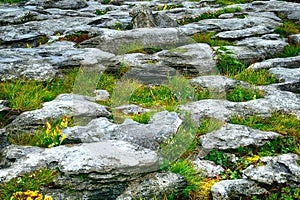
[
  {"x": 232, "y": 136},
  {"x": 162, "y": 126},
  {"x": 281, "y": 169},
  {"x": 120, "y": 42},
  {"x": 154, "y": 186},
  {"x": 106, "y": 166},
  {"x": 82, "y": 108},
  {"x": 234, "y": 189},
  {"x": 207, "y": 168}
]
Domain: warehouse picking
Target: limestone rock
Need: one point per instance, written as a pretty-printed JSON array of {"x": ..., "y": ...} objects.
[
  {"x": 118, "y": 41},
  {"x": 207, "y": 168},
  {"x": 131, "y": 109},
  {"x": 101, "y": 95},
  {"x": 247, "y": 32},
  {"x": 295, "y": 39},
  {"x": 192, "y": 59},
  {"x": 94, "y": 170},
  {"x": 61, "y": 4},
  {"x": 231, "y": 136},
  {"x": 281, "y": 169},
  {"x": 4, "y": 105},
  {"x": 154, "y": 186},
  {"x": 142, "y": 17},
  {"x": 234, "y": 189},
  {"x": 80, "y": 107},
  {"x": 161, "y": 127},
  {"x": 290, "y": 62}
]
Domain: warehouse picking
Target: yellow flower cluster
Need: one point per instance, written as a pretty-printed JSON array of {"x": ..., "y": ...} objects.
[
  {"x": 29, "y": 195},
  {"x": 203, "y": 191},
  {"x": 252, "y": 159},
  {"x": 54, "y": 132}
]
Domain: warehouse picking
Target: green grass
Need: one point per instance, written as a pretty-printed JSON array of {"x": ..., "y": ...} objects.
[
  {"x": 30, "y": 181},
  {"x": 290, "y": 51},
  {"x": 154, "y": 96},
  {"x": 207, "y": 15},
  {"x": 241, "y": 94},
  {"x": 192, "y": 177},
  {"x": 285, "y": 124},
  {"x": 167, "y": 7},
  {"x": 208, "y": 125},
  {"x": 258, "y": 77},
  {"x": 11, "y": 1},
  {"x": 208, "y": 38},
  {"x": 230, "y": 2},
  {"x": 288, "y": 27},
  {"x": 29, "y": 95}
]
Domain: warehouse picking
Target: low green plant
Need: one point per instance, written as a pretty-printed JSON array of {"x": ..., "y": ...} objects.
[
  {"x": 208, "y": 15},
  {"x": 11, "y": 1},
  {"x": 230, "y": 2},
  {"x": 30, "y": 181},
  {"x": 106, "y": 1},
  {"x": 154, "y": 96},
  {"x": 208, "y": 125},
  {"x": 287, "y": 28},
  {"x": 192, "y": 177},
  {"x": 290, "y": 51},
  {"x": 240, "y": 94},
  {"x": 227, "y": 64},
  {"x": 49, "y": 136},
  {"x": 142, "y": 118},
  {"x": 209, "y": 39},
  {"x": 25, "y": 95},
  {"x": 100, "y": 12},
  {"x": 118, "y": 26},
  {"x": 257, "y": 77}
]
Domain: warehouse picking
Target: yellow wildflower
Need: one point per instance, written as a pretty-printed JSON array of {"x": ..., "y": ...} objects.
[
  {"x": 48, "y": 198},
  {"x": 252, "y": 159},
  {"x": 64, "y": 122},
  {"x": 63, "y": 138},
  {"x": 48, "y": 128}
]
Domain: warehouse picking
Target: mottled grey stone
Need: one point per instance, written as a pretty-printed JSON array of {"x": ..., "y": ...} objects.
[
  {"x": 247, "y": 32},
  {"x": 4, "y": 105},
  {"x": 192, "y": 59},
  {"x": 119, "y": 42},
  {"x": 131, "y": 109},
  {"x": 234, "y": 189},
  {"x": 142, "y": 17},
  {"x": 290, "y": 62},
  {"x": 281, "y": 169},
  {"x": 61, "y": 4},
  {"x": 80, "y": 107},
  {"x": 95, "y": 169},
  {"x": 162, "y": 126},
  {"x": 154, "y": 186},
  {"x": 232, "y": 136},
  {"x": 207, "y": 168},
  {"x": 101, "y": 95},
  {"x": 295, "y": 39}
]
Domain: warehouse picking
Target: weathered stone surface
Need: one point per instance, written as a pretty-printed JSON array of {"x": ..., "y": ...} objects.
[
  {"x": 290, "y": 62},
  {"x": 161, "y": 127},
  {"x": 61, "y": 4},
  {"x": 118, "y": 41},
  {"x": 78, "y": 106},
  {"x": 250, "y": 50},
  {"x": 207, "y": 168},
  {"x": 281, "y": 169},
  {"x": 101, "y": 95},
  {"x": 192, "y": 59},
  {"x": 295, "y": 39},
  {"x": 3, "y": 140},
  {"x": 232, "y": 136},
  {"x": 44, "y": 62},
  {"x": 4, "y": 105},
  {"x": 131, "y": 109},
  {"x": 142, "y": 17},
  {"x": 234, "y": 189},
  {"x": 154, "y": 186},
  {"x": 247, "y": 32},
  {"x": 216, "y": 84},
  {"x": 219, "y": 109},
  {"x": 95, "y": 170}
]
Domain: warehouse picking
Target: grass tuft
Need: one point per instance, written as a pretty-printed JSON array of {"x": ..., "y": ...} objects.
[
  {"x": 241, "y": 94},
  {"x": 258, "y": 77},
  {"x": 208, "y": 38}
]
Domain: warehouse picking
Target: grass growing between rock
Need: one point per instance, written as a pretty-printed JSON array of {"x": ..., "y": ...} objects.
[
  {"x": 290, "y": 51},
  {"x": 241, "y": 94},
  {"x": 28, "y": 182},
  {"x": 208, "y": 38},
  {"x": 208, "y": 15},
  {"x": 258, "y": 77},
  {"x": 288, "y": 27},
  {"x": 11, "y": 1},
  {"x": 49, "y": 136}
]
